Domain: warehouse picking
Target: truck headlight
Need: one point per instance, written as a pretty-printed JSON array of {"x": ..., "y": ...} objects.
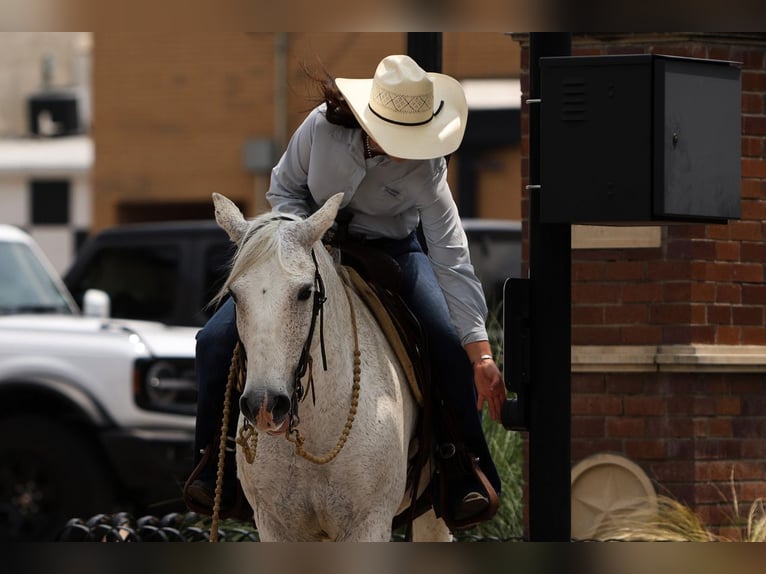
[{"x": 166, "y": 385}]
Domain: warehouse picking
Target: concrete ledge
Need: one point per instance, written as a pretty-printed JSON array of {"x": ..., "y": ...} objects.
[{"x": 669, "y": 358}]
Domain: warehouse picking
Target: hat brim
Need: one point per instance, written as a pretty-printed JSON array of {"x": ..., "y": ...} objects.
[{"x": 439, "y": 137}]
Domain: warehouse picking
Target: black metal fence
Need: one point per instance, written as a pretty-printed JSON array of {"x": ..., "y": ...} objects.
[{"x": 181, "y": 527}]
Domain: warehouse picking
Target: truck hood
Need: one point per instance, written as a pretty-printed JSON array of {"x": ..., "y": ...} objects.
[{"x": 159, "y": 339}]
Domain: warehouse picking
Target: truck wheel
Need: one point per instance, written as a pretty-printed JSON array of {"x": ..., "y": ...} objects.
[{"x": 48, "y": 475}]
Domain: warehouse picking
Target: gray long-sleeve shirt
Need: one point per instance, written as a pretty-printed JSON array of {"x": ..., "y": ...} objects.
[{"x": 388, "y": 198}]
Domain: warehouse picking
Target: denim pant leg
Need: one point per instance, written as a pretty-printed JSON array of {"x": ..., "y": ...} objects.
[
  {"x": 215, "y": 347},
  {"x": 450, "y": 368}
]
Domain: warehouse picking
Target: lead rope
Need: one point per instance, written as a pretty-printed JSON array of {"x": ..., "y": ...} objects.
[
  {"x": 248, "y": 438},
  {"x": 236, "y": 373}
]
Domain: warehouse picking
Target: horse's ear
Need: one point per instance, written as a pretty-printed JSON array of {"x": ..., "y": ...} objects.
[
  {"x": 320, "y": 221},
  {"x": 229, "y": 217}
]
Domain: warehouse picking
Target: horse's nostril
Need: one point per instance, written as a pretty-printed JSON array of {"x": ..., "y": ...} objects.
[
  {"x": 280, "y": 407},
  {"x": 246, "y": 410}
]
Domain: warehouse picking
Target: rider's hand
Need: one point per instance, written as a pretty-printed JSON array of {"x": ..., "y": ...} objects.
[{"x": 489, "y": 387}]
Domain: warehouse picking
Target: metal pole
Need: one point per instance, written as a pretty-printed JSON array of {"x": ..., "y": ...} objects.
[
  {"x": 549, "y": 405},
  {"x": 426, "y": 49}
]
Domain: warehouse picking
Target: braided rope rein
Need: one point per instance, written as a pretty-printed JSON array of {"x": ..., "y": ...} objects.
[
  {"x": 236, "y": 375},
  {"x": 248, "y": 437}
]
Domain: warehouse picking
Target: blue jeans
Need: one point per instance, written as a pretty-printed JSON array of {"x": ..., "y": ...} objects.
[
  {"x": 215, "y": 347},
  {"x": 450, "y": 368}
]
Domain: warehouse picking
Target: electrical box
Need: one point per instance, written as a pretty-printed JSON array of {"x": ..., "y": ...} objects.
[{"x": 639, "y": 139}]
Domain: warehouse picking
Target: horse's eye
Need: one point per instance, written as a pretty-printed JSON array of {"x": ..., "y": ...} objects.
[{"x": 304, "y": 293}]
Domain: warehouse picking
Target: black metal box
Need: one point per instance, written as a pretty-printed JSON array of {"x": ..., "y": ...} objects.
[{"x": 639, "y": 138}]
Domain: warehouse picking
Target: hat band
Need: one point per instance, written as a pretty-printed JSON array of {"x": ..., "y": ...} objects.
[{"x": 390, "y": 121}]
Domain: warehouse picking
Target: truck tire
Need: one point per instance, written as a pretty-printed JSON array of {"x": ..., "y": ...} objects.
[{"x": 48, "y": 475}]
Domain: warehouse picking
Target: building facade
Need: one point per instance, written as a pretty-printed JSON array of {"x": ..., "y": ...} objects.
[{"x": 668, "y": 322}]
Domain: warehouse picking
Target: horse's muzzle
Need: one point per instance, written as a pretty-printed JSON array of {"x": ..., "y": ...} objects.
[{"x": 266, "y": 411}]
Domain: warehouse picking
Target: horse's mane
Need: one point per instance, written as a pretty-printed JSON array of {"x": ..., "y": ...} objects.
[{"x": 258, "y": 242}]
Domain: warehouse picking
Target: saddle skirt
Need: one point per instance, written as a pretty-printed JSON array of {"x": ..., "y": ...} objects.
[{"x": 407, "y": 352}]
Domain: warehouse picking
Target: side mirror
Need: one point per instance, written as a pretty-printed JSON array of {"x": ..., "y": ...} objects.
[{"x": 96, "y": 303}]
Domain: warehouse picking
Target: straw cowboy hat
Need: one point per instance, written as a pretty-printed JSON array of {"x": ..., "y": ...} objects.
[{"x": 410, "y": 113}]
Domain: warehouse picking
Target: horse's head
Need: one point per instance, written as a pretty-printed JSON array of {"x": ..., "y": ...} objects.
[{"x": 273, "y": 281}]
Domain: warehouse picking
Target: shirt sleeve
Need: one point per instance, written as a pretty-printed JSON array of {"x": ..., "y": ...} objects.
[
  {"x": 288, "y": 190},
  {"x": 451, "y": 261}
]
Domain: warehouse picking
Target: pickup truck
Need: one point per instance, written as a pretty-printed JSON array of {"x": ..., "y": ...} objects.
[
  {"x": 168, "y": 271},
  {"x": 96, "y": 413}
]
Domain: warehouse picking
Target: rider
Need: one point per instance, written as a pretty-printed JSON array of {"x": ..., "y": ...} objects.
[{"x": 383, "y": 142}]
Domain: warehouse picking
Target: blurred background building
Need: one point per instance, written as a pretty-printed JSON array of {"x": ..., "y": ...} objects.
[{"x": 100, "y": 129}]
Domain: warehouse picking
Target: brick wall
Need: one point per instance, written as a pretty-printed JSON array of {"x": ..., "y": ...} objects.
[
  {"x": 690, "y": 405},
  {"x": 172, "y": 112}
]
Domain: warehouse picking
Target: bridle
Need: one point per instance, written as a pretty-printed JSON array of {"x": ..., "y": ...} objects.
[
  {"x": 305, "y": 362},
  {"x": 248, "y": 438}
]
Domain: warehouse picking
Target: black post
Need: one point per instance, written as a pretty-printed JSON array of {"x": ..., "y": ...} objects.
[
  {"x": 549, "y": 397},
  {"x": 426, "y": 49}
]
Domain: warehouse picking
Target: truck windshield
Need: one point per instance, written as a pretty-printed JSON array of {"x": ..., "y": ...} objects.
[{"x": 25, "y": 284}]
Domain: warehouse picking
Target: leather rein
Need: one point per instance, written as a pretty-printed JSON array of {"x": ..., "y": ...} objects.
[{"x": 305, "y": 361}]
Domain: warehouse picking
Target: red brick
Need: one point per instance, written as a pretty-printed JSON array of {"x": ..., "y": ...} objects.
[
  {"x": 671, "y": 313},
  {"x": 753, "y": 126},
  {"x": 753, "y": 448},
  {"x": 750, "y": 57},
  {"x": 711, "y": 271},
  {"x": 749, "y": 427},
  {"x": 625, "y": 314},
  {"x": 753, "y": 336},
  {"x": 679, "y": 405},
  {"x": 727, "y": 250},
  {"x": 729, "y": 405},
  {"x": 717, "y": 470},
  {"x": 624, "y": 427},
  {"x": 717, "y": 232},
  {"x": 750, "y": 251},
  {"x": 587, "y": 314},
  {"x": 753, "y": 294},
  {"x": 720, "y": 427},
  {"x": 752, "y": 188},
  {"x": 747, "y": 315},
  {"x": 588, "y": 270},
  {"x": 668, "y": 270},
  {"x": 640, "y": 335},
  {"x": 625, "y": 271},
  {"x": 641, "y": 293},
  {"x": 725, "y": 335},
  {"x": 730, "y": 293},
  {"x": 753, "y": 81},
  {"x": 745, "y": 230},
  {"x": 645, "y": 449},
  {"x": 676, "y": 291},
  {"x": 667, "y": 427},
  {"x": 583, "y": 427},
  {"x": 719, "y": 448},
  {"x": 679, "y": 448},
  {"x": 596, "y": 405},
  {"x": 588, "y": 383},
  {"x": 673, "y": 471},
  {"x": 719, "y": 314},
  {"x": 582, "y": 335},
  {"x": 701, "y": 292},
  {"x": 625, "y": 384},
  {"x": 752, "y": 103},
  {"x": 753, "y": 209},
  {"x": 647, "y": 406},
  {"x": 703, "y": 405},
  {"x": 595, "y": 293},
  {"x": 750, "y": 491}
]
